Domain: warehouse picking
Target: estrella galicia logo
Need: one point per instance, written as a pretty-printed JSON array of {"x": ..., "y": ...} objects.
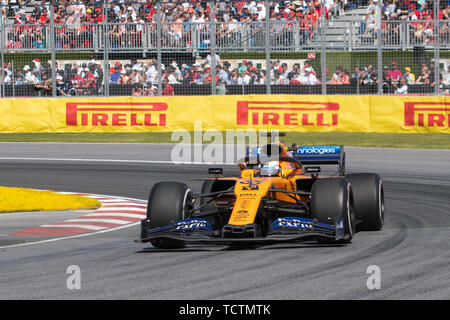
[
  {"x": 192, "y": 224},
  {"x": 251, "y": 184}
]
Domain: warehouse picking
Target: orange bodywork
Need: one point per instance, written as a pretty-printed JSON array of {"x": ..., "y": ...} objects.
[{"x": 250, "y": 189}]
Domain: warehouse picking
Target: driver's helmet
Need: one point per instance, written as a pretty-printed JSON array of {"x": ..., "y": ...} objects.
[{"x": 270, "y": 169}]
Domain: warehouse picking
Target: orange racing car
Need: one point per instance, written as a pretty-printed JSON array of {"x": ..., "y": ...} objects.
[{"x": 278, "y": 197}]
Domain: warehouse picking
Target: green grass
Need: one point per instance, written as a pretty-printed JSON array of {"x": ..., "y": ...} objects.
[
  {"x": 382, "y": 140},
  {"x": 386, "y": 140}
]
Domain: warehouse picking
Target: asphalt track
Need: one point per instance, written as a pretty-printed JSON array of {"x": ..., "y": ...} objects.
[{"x": 412, "y": 250}]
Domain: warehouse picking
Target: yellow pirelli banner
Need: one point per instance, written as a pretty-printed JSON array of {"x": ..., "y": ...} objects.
[{"x": 311, "y": 113}]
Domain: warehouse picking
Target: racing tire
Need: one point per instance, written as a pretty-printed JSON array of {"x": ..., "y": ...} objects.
[
  {"x": 168, "y": 202},
  {"x": 332, "y": 198},
  {"x": 369, "y": 200}
]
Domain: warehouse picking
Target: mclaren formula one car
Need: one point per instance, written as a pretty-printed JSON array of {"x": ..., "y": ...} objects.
[{"x": 279, "y": 196}]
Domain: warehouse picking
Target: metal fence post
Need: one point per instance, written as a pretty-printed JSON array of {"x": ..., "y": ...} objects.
[
  {"x": 2, "y": 29},
  {"x": 267, "y": 49},
  {"x": 106, "y": 77},
  {"x": 52, "y": 47},
  {"x": 436, "y": 49},
  {"x": 212, "y": 42},
  {"x": 158, "y": 39},
  {"x": 379, "y": 51},
  {"x": 323, "y": 54}
]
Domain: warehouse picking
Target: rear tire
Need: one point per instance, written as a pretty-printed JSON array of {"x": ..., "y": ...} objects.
[
  {"x": 168, "y": 202},
  {"x": 369, "y": 200},
  {"x": 332, "y": 198}
]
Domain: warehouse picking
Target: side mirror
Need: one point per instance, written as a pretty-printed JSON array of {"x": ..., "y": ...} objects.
[
  {"x": 312, "y": 169},
  {"x": 215, "y": 171}
]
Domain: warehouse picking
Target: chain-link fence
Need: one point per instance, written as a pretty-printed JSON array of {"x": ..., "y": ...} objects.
[{"x": 146, "y": 48}]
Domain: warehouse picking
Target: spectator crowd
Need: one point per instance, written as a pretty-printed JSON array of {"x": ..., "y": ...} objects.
[
  {"x": 77, "y": 21},
  {"x": 89, "y": 77},
  {"x": 418, "y": 15}
]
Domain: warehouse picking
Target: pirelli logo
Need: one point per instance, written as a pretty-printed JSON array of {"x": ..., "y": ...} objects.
[
  {"x": 427, "y": 114},
  {"x": 287, "y": 113},
  {"x": 134, "y": 114}
]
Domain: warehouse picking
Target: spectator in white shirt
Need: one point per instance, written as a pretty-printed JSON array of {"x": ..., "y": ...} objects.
[
  {"x": 310, "y": 77},
  {"x": 151, "y": 74},
  {"x": 261, "y": 11},
  {"x": 447, "y": 78},
  {"x": 29, "y": 77},
  {"x": 247, "y": 78},
  {"x": 172, "y": 79},
  {"x": 402, "y": 88},
  {"x": 209, "y": 59},
  {"x": 6, "y": 77}
]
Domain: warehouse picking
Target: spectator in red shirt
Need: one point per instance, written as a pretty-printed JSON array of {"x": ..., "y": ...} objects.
[
  {"x": 117, "y": 65},
  {"x": 167, "y": 88},
  {"x": 394, "y": 74},
  {"x": 89, "y": 79}
]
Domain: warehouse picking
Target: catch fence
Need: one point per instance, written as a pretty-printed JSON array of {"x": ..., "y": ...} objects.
[{"x": 150, "y": 48}]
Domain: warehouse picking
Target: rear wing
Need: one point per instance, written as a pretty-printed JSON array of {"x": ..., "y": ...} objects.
[
  {"x": 313, "y": 155},
  {"x": 321, "y": 155}
]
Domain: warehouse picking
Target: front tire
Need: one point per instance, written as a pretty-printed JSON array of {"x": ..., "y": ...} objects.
[
  {"x": 332, "y": 198},
  {"x": 369, "y": 200},
  {"x": 168, "y": 202}
]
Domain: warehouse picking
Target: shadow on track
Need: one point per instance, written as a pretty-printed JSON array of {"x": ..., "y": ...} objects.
[{"x": 200, "y": 248}]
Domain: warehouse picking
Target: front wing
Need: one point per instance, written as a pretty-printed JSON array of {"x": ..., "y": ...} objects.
[{"x": 287, "y": 229}]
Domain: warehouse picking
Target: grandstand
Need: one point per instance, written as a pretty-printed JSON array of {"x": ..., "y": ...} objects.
[{"x": 111, "y": 47}]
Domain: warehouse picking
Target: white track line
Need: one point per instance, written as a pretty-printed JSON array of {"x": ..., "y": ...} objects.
[
  {"x": 131, "y": 210},
  {"x": 114, "y": 214},
  {"x": 117, "y": 161},
  {"x": 123, "y": 203},
  {"x": 83, "y": 226},
  {"x": 113, "y": 221},
  {"x": 127, "y": 206}
]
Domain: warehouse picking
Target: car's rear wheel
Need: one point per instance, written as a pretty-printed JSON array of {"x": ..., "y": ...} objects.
[
  {"x": 168, "y": 202},
  {"x": 369, "y": 200},
  {"x": 332, "y": 198}
]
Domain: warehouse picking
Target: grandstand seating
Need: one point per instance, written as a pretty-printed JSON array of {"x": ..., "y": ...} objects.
[{"x": 132, "y": 26}]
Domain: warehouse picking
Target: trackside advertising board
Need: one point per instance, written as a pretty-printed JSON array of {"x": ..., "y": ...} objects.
[{"x": 401, "y": 114}]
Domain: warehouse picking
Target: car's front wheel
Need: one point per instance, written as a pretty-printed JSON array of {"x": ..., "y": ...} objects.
[
  {"x": 168, "y": 202},
  {"x": 369, "y": 200},
  {"x": 331, "y": 199}
]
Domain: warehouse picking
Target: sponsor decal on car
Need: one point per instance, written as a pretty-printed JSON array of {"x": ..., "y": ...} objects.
[
  {"x": 244, "y": 203},
  {"x": 427, "y": 114},
  {"x": 340, "y": 230},
  {"x": 292, "y": 222},
  {"x": 320, "y": 150},
  {"x": 240, "y": 215},
  {"x": 250, "y": 185},
  {"x": 192, "y": 224},
  {"x": 287, "y": 113},
  {"x": 116, "y": 114}
]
